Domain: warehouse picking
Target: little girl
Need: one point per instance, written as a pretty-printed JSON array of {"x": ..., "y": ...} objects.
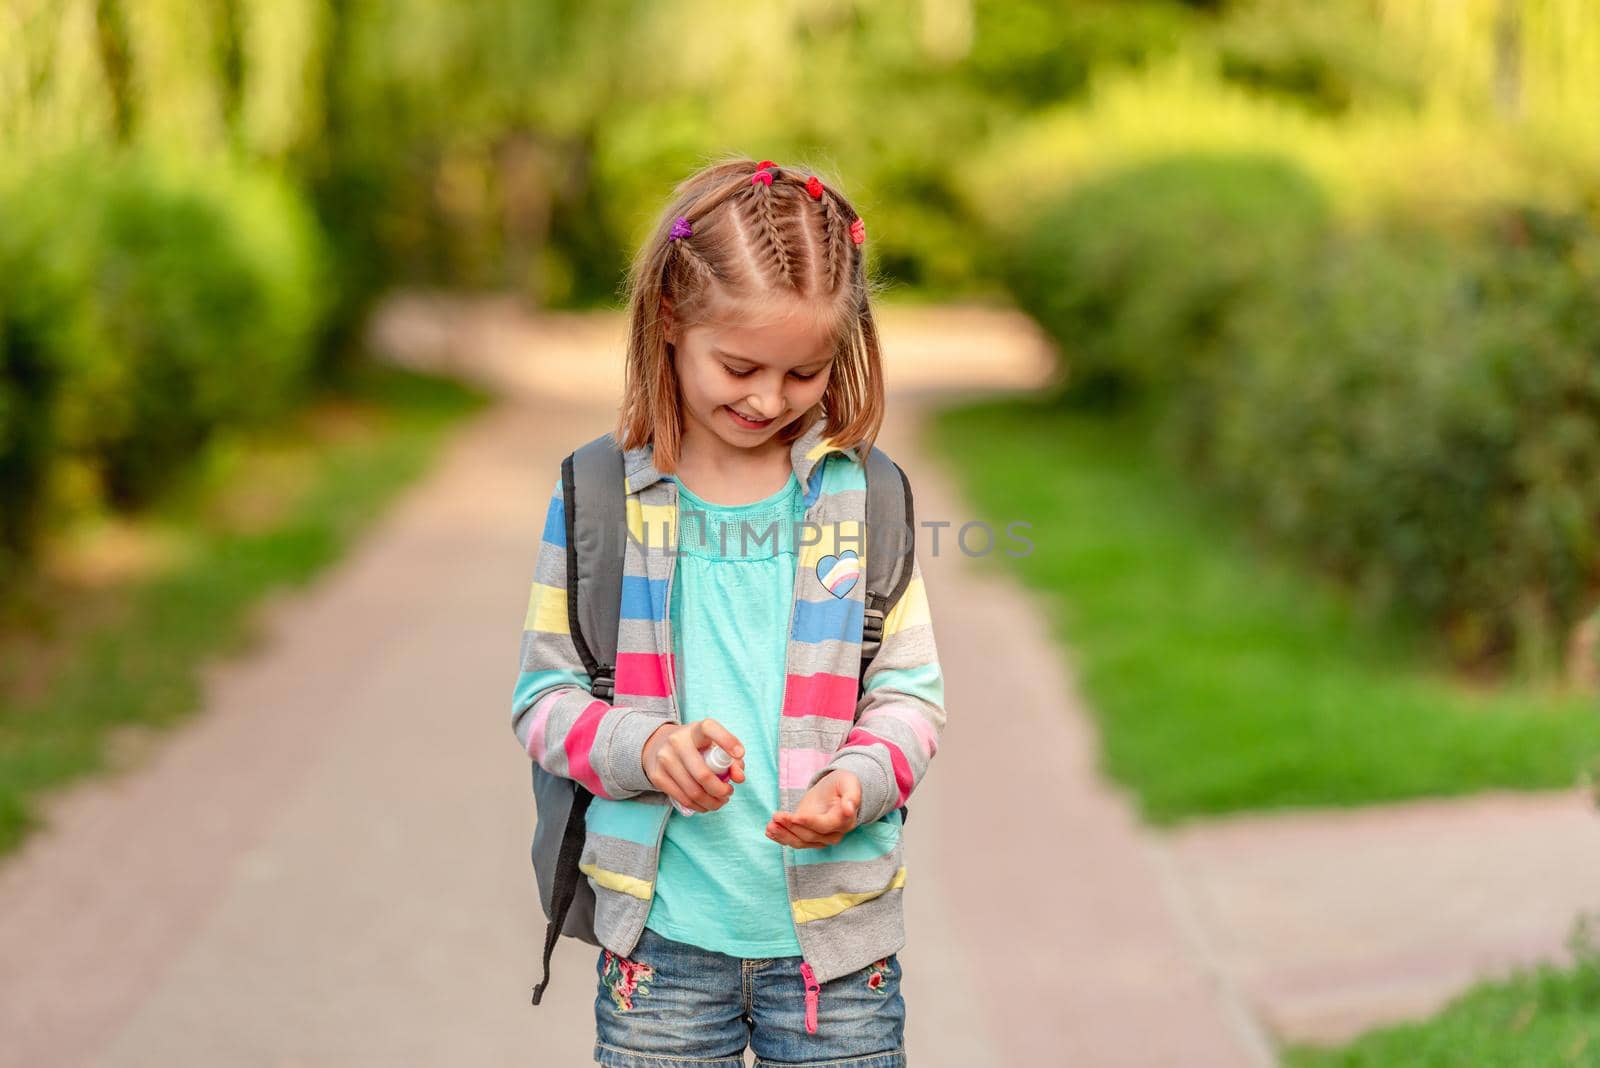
[{"x": 770, "y": 916}]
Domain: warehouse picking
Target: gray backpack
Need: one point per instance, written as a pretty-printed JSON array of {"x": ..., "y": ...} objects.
[{"x": 592, "y": 489}]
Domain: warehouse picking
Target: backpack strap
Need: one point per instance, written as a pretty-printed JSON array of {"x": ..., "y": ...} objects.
[
  {"x": 592, "y": 481},
  {"x": 593, "y": 485},
  {"x": 566, "y": 879},
  {"x": 891, "y": 547},
  {"x": 891, "y": 519}
]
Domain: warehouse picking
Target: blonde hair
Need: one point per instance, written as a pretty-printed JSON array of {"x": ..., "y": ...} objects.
[{"x": 754, "y": 246}]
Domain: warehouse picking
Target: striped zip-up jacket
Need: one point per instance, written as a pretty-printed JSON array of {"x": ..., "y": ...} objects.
[{"x": 845, "y": 898}]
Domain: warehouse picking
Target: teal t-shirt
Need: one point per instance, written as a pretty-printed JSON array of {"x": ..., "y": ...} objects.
[{"x": 720, "y": 884}]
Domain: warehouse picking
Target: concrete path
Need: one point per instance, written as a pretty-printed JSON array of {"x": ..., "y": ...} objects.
[
  {"x": 329, "y": 867},
  {"x": 1333, "y": 922}
]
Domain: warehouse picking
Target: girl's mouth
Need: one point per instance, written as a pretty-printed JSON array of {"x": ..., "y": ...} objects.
[{"x": 747, "y": 424}]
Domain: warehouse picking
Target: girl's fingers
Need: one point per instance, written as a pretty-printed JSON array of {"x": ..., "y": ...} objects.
[
  {"x": 830, "y": 822},
  {"x": 694, "y": 764},
  {"x": 788, "y": 837},
  {"x": 716, "y": 732},
  {"x": 690, "y": 792},
  {"x": 797, "y": 841},
  {"x": 664, "y": 769},
  {"x": 805, "y": 834},
  {"x": 715, "y": 789},
  {"x": 794, "y": 829},
  {"x": 797, "y": 819}
]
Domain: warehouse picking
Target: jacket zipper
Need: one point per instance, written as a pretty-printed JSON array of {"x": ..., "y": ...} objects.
[
  {"x": 666, "y": 610},
  {"x": 813, "y": 993},
  {"x": 672, "y": 685},
  {"x": 788, "y": 641},
  {"x": 813, "y": 990}
]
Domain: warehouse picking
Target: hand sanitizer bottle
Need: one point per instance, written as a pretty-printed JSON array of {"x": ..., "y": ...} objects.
[{"x": 721, "y": 765}]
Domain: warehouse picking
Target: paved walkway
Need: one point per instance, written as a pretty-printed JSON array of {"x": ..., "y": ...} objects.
[
  {"x": 329, "y": 867},
  {"x": 1332, "y": 922}
]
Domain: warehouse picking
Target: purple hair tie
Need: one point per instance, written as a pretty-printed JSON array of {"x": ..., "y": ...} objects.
[{"x": 680, "y": 228}]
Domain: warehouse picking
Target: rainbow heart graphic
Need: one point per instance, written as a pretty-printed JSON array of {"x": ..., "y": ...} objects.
[{"x": 838, "y": 574}]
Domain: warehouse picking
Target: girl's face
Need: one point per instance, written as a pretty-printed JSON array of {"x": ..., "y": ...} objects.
[{"x": 742, "y": 384}]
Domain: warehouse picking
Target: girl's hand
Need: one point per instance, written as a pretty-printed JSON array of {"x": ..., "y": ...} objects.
[
  {"x": 824, "y": 815},
  {"x": 675, "y": 765}
]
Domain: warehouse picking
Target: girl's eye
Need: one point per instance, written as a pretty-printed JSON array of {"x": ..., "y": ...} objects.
[{"x": 752, "y": 370}]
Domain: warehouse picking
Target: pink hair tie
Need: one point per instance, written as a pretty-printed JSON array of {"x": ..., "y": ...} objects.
[
  {"x": 680, "y": 228},
  {"x": 762, "y": 175},
  {"x": 858, "y": 231}
]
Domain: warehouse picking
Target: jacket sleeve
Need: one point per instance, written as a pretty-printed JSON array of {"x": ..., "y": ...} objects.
[
  {"x": 559, "y": 723},
  {"x": 901, "y": 712}
]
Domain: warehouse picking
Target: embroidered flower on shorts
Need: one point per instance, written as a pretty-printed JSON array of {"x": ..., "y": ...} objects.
[
  {"x": 876, "y": 978},
  {"x": 625, "y": 978}
]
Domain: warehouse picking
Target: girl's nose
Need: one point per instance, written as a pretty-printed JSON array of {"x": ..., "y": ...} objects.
[{"x": 766, "y": 406}]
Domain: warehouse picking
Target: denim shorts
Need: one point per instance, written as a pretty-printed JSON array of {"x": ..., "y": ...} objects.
[{"x": 674, "y": 1005}]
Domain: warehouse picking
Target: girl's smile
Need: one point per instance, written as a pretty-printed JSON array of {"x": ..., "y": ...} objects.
[{"x": 744, "y": 421}]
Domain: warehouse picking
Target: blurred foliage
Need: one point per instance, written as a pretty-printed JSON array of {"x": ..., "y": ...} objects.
[
  {"x": 1330, "y": 58},
  {"x": 1420, "y": 412},
  {"x": 147, "y": 304},
  {"x": 1033, "y": 53},
  {"x": 1365, "y": 305},
  {"x": 1147, "y": 301},
  {"x": 523, "y": 144},
  {"x": 1195, "y": 197}
]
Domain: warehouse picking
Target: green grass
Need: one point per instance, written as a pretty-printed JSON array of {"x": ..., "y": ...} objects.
[
  {"x": 1547, "y": 1017},
  {"x": 257, "y": 514},
  {"x": 1223, "y": 680}
]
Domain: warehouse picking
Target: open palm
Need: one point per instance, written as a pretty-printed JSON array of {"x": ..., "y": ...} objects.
[{"x": 824, "y": 815}]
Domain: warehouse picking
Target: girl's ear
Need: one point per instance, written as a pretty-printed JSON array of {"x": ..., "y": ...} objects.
[{"x": 667, "y": 321}]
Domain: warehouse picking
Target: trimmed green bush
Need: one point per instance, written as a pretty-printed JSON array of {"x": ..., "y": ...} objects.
[
  {"x": 1136, "y": 274},
  {"x": 143, "y": 305},
  {"x": 1412, "y": 407},
  {"x": 1420, "y": 412}
]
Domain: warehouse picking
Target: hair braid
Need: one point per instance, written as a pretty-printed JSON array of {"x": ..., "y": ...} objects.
[
  {"x": 773, "y": 232},
  {"x": 694, "y": 260},
  {"x": 832, "y": 238}
]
